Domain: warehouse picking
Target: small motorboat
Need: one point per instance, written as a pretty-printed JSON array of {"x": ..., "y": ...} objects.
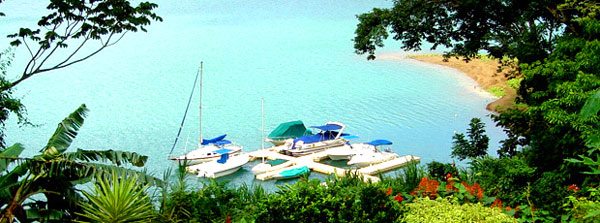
[
  {"x": 372, "y": 155},
  {"x": 346, "y": 151},
  {"x": 271, "y": 165},
  {"x": 292, "y": 173},
  {"x": 287, "y": 130},
  {"x": 224, "y": 166},
  {"x": 329, "y": 136}
]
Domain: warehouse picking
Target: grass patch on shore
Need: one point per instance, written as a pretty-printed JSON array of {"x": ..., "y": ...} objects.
[{"x": 497, "y": 91}]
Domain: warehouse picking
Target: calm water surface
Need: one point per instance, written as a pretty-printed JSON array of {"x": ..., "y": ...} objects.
[{"x": 298, "y": 56}]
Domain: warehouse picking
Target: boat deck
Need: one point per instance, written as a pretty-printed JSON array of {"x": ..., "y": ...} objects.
[{"x": 312, "y": 162}]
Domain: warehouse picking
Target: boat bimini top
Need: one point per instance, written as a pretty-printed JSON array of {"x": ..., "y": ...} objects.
[
  {"x": 328, "y": 132},
  {"x": 379, "y": 142}
]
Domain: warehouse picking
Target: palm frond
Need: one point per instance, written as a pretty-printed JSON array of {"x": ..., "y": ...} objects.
[
  {"x": 8, "y": 155},
  {"x": 114, "y": 156},
  {"x": 64, "y": 134}
]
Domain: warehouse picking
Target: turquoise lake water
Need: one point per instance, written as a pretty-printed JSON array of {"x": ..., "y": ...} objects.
[{"x": 297, "y": 55}]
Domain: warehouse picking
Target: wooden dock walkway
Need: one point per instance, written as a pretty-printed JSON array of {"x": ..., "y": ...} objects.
[{"x": 312, "y": 162}]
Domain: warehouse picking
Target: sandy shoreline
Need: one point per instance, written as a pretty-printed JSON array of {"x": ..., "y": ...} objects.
[{"x": 482, "y": 71}]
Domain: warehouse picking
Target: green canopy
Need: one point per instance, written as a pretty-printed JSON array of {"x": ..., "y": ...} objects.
[{"x": 286, "y": 130}]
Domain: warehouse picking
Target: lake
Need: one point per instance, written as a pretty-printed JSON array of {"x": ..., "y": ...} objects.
[{"x": 296, "y": 55}]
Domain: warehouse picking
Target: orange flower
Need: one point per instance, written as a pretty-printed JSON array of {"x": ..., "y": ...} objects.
[
  {"x": 497, "y": 203},
  {"x": 477, "y": 191},
  {"x": 427, "y": 187},
  {"x": 508, "y": 208},
  {"x": 389, "y": 191},
  {"x": 448, "y": 176}
]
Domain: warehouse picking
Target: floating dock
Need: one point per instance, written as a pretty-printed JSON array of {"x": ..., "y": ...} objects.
[{"x": 312, "y": 162}]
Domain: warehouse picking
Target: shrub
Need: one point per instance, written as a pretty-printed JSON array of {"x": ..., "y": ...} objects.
[
  {"x": 338, "y": 201},
  {"x": 448, "y": 210},
  {"x": 439, "y": 170},
  {"x": 505, "y": 178}
]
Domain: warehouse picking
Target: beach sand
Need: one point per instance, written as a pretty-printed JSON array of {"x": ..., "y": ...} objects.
[{"x": 483, "y": 71}]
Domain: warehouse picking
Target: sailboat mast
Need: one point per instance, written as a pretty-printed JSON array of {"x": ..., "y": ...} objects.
[
  {"x": 200, "y": 107},
  {"x": 262, "y": 105}
]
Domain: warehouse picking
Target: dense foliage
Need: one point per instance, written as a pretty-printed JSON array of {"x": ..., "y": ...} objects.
[{"x": 555, "y": 47}]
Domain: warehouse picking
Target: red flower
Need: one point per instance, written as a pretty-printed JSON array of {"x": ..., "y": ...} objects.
[
  {"x": 228, "y": 219},
  {"x": 574, "y": 188},
  {"x": 399, "y": 198},
  {"x": 448, "y": 176},
  {"x": 389, "y": 191}
]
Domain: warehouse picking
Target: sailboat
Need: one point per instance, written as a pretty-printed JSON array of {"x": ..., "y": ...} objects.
[{"x": 208, "y": 149}]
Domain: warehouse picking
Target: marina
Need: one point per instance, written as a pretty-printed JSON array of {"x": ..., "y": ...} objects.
[{"x": 312, "y": 161}]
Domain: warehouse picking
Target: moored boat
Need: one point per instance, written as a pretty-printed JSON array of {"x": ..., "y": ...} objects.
[
  {"x": 372, "y": 155},
  {"x": 287, "y": 130},
  {"x": 346, "y": 151},
  {"x": 222, "y": 167},
  {"x": 210, "y": 149},
  {"x": 292, "y": 173},
  {"x": 330, "y": 135}
]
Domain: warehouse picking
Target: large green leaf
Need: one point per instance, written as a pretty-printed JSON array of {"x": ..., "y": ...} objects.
[
  {"x": 64, "y": 134},
  {"x": 9, "y": 155},
  {"x": 113, "y": 156},
  {"x": 591, "y": 106}
]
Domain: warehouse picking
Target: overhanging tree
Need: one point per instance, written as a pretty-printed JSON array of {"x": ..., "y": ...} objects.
[{"x": 72, "y": 32}]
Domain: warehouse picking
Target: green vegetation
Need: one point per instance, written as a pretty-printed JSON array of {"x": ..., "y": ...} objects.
[
  {"x": 448, "y": 210},
  {"x": 515, "y": 83},
  {"x": 117, "y": 198},
  {"x": 497, "y": 91}
]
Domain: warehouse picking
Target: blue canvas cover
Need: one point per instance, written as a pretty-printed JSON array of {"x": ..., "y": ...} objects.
[
  {"x": 223, "y": 151},
  {"x": 328, "y": 127},
  {"x": 213, "y": 140},
  {"x": 379, "y": 142},
  {"x": 224, "y": 158}
]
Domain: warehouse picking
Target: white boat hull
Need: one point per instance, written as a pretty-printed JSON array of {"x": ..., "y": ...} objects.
[
  {"x": 364, "y": 160},
  {"x": 261, "y": 168},
  {"x": 214, "y": 169},
  {"x": 339, "y": 157},
  {"x": 204, "y": 155},
  {"x": 306, "y": 149}
]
